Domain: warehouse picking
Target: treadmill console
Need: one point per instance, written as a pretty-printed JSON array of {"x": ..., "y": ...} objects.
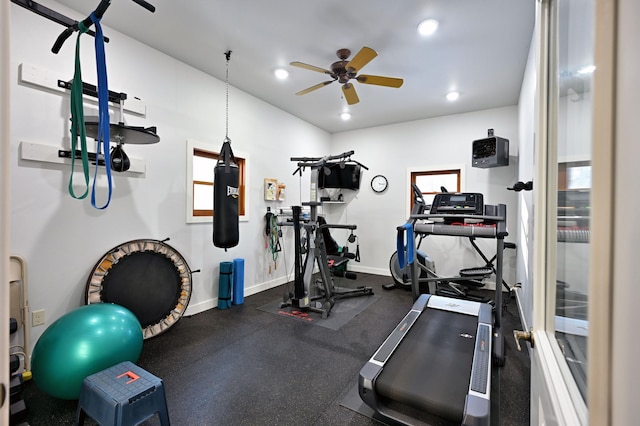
[{"x": 466, "y": 203}]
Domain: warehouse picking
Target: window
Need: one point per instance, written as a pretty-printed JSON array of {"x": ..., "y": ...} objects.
[
  {"x": 201, "y": 160},
  {"x": 430, "y": 182},
  {"x": 574, "y": 175}
]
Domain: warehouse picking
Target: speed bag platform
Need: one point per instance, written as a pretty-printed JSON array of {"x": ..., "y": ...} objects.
[{"x": 148, "y": 277}]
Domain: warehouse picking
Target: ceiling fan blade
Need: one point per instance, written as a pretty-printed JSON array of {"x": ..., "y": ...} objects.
[
  {"x": 350, "y": 93},
  {"x": 314, "y": 87},
  {"x": 310, "y": 67},
  {"x": 362, "y": 58},
  {"x": 380, "y": 81}
]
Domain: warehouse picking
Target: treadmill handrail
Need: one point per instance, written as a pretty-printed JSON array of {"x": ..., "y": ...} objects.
[
  {"x": 469, "y": 230},
  {"x": 456, "y": 216}
]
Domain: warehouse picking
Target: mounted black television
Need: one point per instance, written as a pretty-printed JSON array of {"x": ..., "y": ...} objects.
[{"x": 346, "y": 176}]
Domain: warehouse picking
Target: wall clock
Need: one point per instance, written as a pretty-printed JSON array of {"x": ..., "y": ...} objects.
[{"x": 379, "y": 183}]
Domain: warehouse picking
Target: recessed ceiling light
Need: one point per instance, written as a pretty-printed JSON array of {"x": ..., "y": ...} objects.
[
  {"x": 452, "y": 96},
  {"x": 281, "y": 73},
  {"x": 345, "y": 116},
  {"x": 428, "y": 27}
]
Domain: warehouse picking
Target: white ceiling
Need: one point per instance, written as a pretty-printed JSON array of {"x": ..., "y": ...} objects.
[{"x": 480, "y": 50}]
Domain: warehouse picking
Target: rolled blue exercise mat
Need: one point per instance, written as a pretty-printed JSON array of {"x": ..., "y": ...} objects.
[
  {"x": 238, "y": 281},
  {"x": 225, "y": 285}
]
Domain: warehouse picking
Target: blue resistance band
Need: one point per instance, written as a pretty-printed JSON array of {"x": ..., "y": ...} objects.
[
  {"x": 103, "y": 112},
  {"x": 77, "y": 116}
]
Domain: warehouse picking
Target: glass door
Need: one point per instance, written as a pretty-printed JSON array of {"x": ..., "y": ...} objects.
[
  {"x": 563, "y": 211},
  {"x": 571, "y": 93}
]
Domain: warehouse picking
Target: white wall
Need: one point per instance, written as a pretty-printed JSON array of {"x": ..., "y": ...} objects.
[
  {"x": 62, "y": 238},
  {"x": 392, "y": 150},
  {"x": 526, "y": 172}
]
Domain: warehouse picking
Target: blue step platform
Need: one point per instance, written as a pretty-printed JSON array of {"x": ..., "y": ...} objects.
[{"x": 122, "y": 395}]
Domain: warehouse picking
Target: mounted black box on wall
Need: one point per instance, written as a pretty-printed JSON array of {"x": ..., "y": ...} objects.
[{"x": 492, "y": 151}]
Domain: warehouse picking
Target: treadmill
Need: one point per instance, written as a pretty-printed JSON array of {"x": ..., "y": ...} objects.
[
  {"x": 435, "y": 366},
  {"x": 425, "y": 365}
]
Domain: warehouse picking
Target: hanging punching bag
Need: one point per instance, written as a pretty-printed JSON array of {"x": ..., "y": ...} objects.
[{"x": 225, "y": 198}]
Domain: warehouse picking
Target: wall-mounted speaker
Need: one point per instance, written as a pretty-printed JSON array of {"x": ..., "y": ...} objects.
[{"x": 492, "y": 151}]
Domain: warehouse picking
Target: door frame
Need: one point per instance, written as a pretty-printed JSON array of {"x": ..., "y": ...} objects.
[
  {"x": 5, "y": 168},
  {"x": 599, "y": 347},
  {"x": 555, "y": 396}
]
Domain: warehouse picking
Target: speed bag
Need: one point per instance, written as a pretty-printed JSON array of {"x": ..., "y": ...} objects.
[{"x": 225, "y": 205}]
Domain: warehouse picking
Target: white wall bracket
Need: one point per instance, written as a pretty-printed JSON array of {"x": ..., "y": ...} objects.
[
  {"x": 46, "y": 79},
  {"x": 50, "y": 154}
]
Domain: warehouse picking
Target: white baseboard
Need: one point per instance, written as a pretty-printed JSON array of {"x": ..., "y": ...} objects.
[
  {"x": 367, "y": 270},
  {"x": 197, "y": 308}
]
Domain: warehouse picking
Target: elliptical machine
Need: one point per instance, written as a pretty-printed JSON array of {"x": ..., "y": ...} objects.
[
  {"x": 461, "y": 287},
  {"x": 401, "y": 278}
]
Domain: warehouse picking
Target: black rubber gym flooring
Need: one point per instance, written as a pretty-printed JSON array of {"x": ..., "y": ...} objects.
[{"x": 245, "y": 366}]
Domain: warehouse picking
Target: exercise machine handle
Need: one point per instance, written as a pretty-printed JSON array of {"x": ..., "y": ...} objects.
[
  {"x": 327, "y": 225},
  {"x": 151, "y": 8}
]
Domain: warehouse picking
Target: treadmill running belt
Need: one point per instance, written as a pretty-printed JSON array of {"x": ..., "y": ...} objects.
[{"x": 430, "y": 370}]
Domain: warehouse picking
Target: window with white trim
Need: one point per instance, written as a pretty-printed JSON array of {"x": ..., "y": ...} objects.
[
  {"x": 433, "y": 181},
  {"x": 201, "y": 160}
]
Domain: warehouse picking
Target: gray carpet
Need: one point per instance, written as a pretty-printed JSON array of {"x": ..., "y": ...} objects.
[{"x": 245, "y": 366}]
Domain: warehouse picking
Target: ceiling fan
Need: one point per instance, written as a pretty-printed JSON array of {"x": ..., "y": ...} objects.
[{"x": 343, "y": 71}]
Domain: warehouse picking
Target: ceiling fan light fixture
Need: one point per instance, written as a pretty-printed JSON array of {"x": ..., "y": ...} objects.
[
  {"x": 453, "y": 96},
  {"x": 281, "y": 74},
  {"x": 343, "y": 71},
  {"x": 428, "y": 27},
  {"x": 345, "y": 115}
]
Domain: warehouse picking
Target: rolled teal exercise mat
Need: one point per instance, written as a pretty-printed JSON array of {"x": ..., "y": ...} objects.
[{"x": 224, "y": 285}]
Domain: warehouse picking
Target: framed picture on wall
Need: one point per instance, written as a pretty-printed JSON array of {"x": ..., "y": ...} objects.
[
  {"x": 270, "y": 189},
  {"x": 281, "y": 191}
]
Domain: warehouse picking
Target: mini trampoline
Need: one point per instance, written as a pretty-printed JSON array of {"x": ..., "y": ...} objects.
[{"x": 148, "y": 277}]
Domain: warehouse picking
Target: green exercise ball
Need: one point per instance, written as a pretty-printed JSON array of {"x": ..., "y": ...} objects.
[{"x": 82, "y": 342}]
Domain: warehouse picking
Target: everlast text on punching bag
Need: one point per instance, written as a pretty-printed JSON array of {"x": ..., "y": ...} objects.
[{"x": 225, "y": 198}]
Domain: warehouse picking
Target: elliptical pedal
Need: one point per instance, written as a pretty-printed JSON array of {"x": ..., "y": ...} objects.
[{"x": 479, "y": 272}]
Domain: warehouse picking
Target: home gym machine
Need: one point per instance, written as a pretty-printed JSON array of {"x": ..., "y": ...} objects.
[
  {"x": 435, "y": 366},
  {"x": 309, "y": 294}
]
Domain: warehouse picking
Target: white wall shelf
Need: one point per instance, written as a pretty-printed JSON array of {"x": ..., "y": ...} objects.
[
  {"x": 49, "y": 154},
  {"x": 47, "y": 79}
]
